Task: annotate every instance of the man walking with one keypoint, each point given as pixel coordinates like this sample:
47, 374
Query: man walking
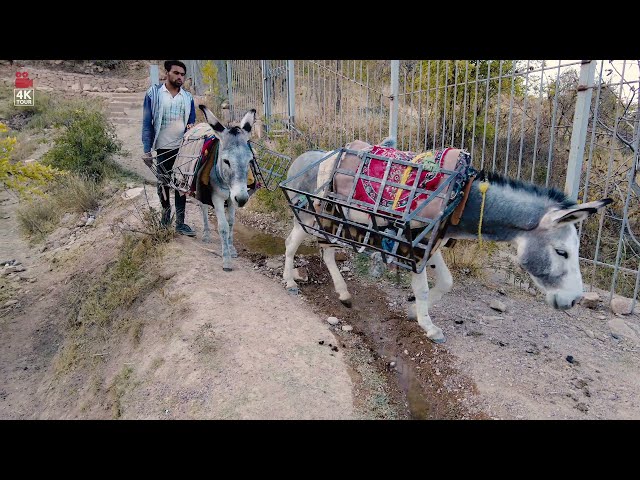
168, 112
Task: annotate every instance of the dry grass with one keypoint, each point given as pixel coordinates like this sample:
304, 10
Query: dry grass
39, 216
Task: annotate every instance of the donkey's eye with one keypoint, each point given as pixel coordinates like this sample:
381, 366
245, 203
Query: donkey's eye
227, 162
562, 253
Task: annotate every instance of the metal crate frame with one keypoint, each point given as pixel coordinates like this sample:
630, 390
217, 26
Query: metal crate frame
272, 166
397, 236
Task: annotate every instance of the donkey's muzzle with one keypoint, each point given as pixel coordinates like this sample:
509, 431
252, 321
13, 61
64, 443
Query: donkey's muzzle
241, 200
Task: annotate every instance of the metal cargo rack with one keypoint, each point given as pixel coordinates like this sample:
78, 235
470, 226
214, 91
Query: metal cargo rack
272, 166
388, 231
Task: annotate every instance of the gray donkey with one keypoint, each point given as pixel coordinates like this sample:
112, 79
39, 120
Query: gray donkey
539, 221
228, 179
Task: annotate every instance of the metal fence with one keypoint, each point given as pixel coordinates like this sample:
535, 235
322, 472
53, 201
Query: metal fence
572, 125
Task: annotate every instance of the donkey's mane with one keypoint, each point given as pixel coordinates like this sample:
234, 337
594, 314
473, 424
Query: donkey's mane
551, 193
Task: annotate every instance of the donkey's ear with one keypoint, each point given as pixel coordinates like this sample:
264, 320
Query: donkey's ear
211, 119
556, 218
248, 120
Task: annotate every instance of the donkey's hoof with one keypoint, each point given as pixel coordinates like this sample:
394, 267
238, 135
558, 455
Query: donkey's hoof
293, 290
227, 269
347, 303
435, 335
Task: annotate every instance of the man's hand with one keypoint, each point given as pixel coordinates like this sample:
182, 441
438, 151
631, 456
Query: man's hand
190, 125
147, 158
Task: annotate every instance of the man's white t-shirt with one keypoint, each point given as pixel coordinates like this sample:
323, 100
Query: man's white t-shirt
172, 123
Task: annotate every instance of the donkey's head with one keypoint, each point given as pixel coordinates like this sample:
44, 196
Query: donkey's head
549, 253
234, 153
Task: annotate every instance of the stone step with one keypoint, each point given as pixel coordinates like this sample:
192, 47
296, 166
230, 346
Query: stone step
122, 105
124, 120
128, 96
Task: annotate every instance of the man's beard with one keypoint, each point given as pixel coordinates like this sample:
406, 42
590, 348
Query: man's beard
175, 83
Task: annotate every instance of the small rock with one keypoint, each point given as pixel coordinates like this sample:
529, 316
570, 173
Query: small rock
502, 291
345, 269
347, 328
572, 360
333, 321
621, 306
10, 303
498, 305
473, 333
458, 321
582, 407
274, 263
406, 352
619, 328
166, 275
90, 221
122, 90
590, 334
590, 300
341, 256
301, 274
491, 319
392, 364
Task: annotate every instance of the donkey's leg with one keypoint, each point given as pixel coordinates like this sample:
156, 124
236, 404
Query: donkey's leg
223, 230
231, 218
421, 291
292, 243
206, 237
329, 257
443, 280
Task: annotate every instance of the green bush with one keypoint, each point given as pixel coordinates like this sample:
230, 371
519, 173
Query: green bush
85, 145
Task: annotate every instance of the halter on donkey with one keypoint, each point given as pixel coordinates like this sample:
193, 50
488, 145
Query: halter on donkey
403, 211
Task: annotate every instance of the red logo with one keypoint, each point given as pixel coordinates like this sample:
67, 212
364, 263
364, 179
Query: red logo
23, 80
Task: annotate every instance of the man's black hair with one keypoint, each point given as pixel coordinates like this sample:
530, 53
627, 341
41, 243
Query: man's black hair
170, 63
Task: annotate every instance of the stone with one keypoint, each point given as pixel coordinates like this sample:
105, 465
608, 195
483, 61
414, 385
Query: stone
122, 89
498, 305
300, 274
341, 256
619, 328
274, 263
590, 300
621, 305
333, 321
9, 303
347, 328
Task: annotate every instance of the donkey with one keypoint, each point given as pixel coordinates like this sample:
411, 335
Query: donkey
228, 179
539, 221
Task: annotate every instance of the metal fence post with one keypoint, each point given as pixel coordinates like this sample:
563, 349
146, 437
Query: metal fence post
393, 99
580, 125
154, 74
229, 89
291, 91
265, 95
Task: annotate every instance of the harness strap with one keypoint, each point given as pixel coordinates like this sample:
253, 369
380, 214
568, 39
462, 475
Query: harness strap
457, 213
484, 186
